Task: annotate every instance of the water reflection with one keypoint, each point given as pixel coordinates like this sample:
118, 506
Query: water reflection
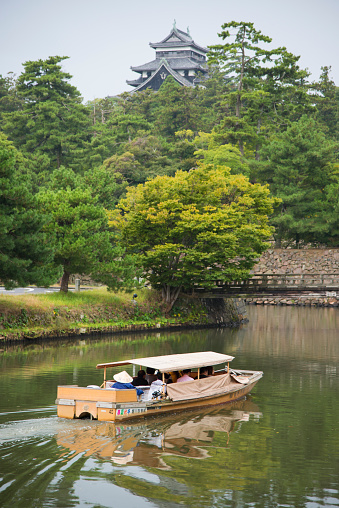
149, 443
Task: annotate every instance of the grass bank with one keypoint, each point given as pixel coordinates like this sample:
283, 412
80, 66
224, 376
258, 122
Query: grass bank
92, 311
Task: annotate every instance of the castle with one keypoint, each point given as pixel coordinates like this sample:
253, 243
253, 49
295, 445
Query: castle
178, 56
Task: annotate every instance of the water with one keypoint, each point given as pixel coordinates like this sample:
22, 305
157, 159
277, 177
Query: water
277, 448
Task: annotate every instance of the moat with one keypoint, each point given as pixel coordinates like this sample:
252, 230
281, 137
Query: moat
279, 447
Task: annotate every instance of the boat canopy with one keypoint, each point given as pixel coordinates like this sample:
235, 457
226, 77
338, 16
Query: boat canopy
170, 363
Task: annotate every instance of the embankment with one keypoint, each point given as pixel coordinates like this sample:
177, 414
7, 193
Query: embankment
33, 317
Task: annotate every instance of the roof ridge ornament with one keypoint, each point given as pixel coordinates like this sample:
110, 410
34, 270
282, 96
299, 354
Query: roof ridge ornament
175, 25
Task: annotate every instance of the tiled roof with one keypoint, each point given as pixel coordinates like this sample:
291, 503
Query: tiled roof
178, 77
178, 35
134, 82
177, 38
175, 63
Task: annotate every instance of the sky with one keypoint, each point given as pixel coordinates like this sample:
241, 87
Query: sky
103, 38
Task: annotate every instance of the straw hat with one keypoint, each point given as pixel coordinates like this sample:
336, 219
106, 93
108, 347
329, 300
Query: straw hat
123, 377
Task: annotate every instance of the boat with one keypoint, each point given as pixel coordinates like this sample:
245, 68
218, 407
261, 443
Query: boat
105, 403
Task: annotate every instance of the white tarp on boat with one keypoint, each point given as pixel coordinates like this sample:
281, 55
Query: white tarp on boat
207, 387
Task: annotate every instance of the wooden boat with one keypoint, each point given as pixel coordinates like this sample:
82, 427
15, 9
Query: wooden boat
108, 404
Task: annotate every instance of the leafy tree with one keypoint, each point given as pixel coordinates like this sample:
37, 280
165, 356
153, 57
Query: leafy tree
25, 250
212, 152
195, 228
52, 120
9, 100
240, 58
261, 79
301, 169
84, 244
175, 108
328, 103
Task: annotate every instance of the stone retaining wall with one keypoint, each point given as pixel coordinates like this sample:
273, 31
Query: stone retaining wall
298, 261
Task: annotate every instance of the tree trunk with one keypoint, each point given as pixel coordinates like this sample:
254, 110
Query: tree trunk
257, 148
64, 281
170, 296
239, 96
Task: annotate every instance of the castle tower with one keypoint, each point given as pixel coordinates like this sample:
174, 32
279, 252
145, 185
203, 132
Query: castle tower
178, 56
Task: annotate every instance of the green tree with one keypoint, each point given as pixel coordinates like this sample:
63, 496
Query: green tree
301, 168
260, 84
52, 121
9, 100
327, 101
175, 108
240, 58
211, 151
84, 244
25, 250
195, 228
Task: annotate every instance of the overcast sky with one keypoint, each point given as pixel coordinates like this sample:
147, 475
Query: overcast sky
103, 38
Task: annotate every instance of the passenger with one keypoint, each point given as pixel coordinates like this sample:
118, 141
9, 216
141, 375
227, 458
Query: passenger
150, 375
168, 378
140, 379
185, 376
203, 372
175, 375
210, 371
124, 382
157, 387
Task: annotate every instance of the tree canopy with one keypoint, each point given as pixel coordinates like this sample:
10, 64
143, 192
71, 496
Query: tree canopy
83, 242
25, 249
195, 228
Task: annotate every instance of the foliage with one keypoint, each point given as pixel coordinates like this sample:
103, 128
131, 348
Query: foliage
327, 100
300, 166
262, 82
25, 250
220, 154
195, 228
84, 244
51, 120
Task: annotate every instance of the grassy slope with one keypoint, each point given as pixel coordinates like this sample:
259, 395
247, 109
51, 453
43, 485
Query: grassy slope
53, 314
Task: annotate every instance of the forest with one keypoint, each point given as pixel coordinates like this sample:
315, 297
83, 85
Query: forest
167, 181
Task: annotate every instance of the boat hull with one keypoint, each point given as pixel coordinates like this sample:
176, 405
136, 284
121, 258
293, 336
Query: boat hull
121, 405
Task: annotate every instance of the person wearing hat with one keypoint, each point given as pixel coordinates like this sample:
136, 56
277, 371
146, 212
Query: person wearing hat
123, 381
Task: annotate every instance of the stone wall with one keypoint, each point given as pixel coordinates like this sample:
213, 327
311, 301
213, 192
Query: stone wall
297, 261
225, 311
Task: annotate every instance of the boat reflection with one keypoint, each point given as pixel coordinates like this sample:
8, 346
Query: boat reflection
148, 443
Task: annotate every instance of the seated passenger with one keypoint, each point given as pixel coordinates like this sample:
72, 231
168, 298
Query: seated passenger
168, 378
157, 387
150, 375
185, 376
124, 382
174, 375
140, 380
203, 372
210, 371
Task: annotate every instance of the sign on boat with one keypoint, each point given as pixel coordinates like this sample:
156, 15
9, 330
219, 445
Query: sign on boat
106, 403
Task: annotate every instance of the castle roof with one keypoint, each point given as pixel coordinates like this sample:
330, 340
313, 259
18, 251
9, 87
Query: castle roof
177, 38
164, 68
176, 64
